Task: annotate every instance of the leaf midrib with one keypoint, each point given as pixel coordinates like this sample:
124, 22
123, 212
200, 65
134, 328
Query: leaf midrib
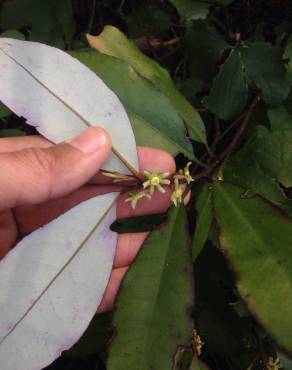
88, 124
79, 248
158, 291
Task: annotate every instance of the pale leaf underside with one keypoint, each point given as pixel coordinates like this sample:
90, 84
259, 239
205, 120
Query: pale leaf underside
61, 97
52, 283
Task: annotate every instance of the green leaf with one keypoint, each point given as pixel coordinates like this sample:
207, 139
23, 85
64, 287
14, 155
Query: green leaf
198, 365
4, 111
15, 14
11, 133
13, 34
204, 220
113, 42
265, 67
161, 127
138, 223
204, 48
152, 315
147, 135
63, 13
53, 38
182, 358
280, 119
229, 93
190, 10
243, 169
147, 20
274, 154
50, 23
257, 240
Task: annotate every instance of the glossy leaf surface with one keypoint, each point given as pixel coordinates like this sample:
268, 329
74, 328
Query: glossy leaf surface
229, 93
265, 67
257, 240
274, 154
244, 169
152, 316
113, 42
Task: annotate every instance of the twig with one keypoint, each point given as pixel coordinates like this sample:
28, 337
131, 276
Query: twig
216, 134
223, 157
151, 43
91, 20
230, 127
209, 151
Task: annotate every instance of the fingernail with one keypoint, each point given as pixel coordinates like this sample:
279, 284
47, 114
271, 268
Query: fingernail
90, 141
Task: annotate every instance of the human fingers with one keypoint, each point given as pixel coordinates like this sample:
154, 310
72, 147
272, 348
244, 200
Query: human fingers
13, 144
30, 217
35, 175
112, 289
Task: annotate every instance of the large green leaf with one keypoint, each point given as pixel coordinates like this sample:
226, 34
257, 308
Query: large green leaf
148, 19
4, 111
113, 42
265, 67
257, 240
274, 154
159, 127
147, 134
50, 23
204, 220
152, 315
204, 48
280, 119
190, 10
11, 133
229, 93
13, 34
15, 14
243, 169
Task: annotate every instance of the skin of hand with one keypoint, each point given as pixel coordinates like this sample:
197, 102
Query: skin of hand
39, 181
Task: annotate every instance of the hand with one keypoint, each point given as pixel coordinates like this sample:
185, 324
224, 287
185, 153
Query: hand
39, 181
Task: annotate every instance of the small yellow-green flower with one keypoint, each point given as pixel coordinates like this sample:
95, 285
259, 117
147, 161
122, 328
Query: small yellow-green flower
274, 364
155, 180
176, 196
197, 343
185, 173
135, 196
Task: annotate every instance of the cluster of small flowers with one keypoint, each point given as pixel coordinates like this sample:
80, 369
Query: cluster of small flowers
155, 181
274, 364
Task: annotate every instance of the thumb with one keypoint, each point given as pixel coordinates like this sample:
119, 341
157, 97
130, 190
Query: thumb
35, 175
